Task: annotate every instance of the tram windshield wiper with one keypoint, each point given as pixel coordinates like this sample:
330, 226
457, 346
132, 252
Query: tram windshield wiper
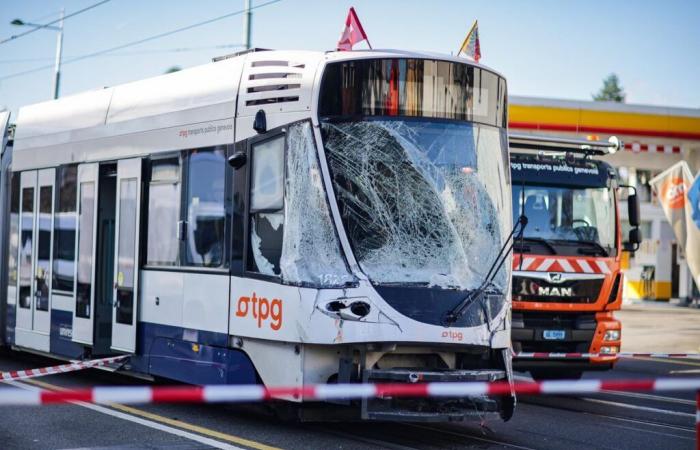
486, 286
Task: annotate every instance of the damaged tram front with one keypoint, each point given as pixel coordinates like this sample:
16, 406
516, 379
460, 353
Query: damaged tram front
413, 162
357, 234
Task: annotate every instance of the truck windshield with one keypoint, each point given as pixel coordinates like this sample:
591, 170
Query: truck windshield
566, 216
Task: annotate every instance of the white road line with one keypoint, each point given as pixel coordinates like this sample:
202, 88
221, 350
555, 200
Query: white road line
680, 401
469, 436
147, 423
643, 422
686, 438
640, 408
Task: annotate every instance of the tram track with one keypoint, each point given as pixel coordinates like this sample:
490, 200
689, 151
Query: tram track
444, 430
550, 402
579, 422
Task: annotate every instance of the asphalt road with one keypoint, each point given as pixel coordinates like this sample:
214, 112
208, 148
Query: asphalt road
610, 421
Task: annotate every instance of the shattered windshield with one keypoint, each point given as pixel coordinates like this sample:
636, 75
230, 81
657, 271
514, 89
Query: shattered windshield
418, 157
422, 201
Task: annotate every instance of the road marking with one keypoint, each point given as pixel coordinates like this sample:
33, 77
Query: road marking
667, 361
640, 408
533, 401
644, 422
680, 401
464, 435
687, 438
195, 428
137, 420
155, 418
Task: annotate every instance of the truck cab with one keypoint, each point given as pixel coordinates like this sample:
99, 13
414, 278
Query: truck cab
567, 280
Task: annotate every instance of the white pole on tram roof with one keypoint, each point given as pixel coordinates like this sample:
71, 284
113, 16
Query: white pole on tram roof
59, 53
247, 29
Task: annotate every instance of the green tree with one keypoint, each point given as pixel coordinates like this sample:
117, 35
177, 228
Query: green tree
174, 69
611, 90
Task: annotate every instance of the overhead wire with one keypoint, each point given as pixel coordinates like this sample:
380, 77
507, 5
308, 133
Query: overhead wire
139, 41
46, 25
137, 52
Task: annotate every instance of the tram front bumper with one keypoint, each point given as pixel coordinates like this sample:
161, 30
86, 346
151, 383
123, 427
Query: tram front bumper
443, 409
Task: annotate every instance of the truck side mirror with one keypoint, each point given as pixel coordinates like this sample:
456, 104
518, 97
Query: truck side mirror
633, 210
635, 238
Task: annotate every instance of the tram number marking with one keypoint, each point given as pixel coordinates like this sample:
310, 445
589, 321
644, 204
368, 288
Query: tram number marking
262, 309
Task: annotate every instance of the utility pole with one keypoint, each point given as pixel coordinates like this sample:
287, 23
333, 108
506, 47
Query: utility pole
59, 47
247, 29
59, 52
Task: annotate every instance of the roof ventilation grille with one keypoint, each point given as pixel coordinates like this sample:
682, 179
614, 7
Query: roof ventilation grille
273, 81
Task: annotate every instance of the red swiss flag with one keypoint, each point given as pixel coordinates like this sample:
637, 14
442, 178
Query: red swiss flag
353, 32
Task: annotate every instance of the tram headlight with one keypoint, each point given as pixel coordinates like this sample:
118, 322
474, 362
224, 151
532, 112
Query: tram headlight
612, 335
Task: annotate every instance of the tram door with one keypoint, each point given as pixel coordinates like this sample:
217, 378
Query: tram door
84, 311
35, 258
126, 255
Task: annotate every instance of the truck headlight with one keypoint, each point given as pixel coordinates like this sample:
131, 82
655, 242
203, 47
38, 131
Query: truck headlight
612, 335
605, 350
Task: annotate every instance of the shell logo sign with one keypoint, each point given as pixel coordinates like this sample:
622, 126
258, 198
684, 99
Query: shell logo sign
673, 193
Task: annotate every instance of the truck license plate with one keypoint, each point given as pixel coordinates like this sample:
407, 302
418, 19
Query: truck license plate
554, 334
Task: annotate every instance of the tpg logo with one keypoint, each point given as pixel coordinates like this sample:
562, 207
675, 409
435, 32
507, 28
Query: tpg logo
262, 310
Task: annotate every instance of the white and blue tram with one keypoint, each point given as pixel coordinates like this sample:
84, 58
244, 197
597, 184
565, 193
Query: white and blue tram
277, 217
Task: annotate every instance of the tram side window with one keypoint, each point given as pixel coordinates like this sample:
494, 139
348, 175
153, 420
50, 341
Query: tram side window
14, 231
266, 206
164, 213
64, 229
86, 217
206, 212
26, 248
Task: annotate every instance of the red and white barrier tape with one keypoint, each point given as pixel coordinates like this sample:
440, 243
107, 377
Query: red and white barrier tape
72, 367
545, 355
257, 393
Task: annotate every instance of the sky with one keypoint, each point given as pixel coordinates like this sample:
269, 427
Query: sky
555, 49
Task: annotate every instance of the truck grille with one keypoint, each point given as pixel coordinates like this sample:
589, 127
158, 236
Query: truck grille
526, 289
528, 326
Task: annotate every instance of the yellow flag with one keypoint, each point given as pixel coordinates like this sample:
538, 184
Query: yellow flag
471, 46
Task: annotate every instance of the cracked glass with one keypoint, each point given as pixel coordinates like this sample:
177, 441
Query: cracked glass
418, 157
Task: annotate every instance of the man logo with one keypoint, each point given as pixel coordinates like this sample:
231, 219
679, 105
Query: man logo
555, 277
555, 291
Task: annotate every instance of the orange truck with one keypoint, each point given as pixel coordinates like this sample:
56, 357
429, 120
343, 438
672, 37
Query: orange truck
567, 279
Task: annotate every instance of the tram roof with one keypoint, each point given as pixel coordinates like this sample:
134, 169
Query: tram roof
279, 81
201, 86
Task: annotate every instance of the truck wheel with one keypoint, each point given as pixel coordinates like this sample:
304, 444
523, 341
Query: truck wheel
556, 374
